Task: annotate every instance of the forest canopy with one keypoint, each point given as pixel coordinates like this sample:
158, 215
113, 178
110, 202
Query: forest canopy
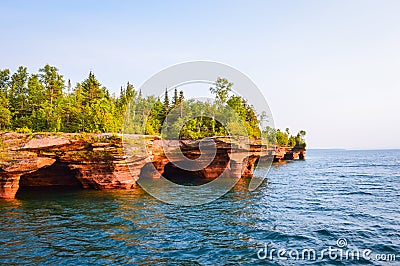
46, 102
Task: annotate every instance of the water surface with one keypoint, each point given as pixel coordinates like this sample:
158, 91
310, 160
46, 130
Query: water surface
306, 204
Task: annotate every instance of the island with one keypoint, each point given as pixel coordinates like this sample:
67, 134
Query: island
54, 134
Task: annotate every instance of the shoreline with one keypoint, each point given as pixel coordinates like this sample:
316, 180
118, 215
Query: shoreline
110, 161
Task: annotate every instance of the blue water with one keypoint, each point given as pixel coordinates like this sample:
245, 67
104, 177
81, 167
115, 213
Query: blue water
353, 195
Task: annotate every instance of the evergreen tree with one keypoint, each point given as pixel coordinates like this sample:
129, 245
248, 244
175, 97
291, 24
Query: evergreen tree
176, 98
53, 82
4, 81
91, 89
166, 102
181, 97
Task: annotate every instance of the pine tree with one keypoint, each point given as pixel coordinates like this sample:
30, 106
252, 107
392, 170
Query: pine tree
176, 98
130, 92
181, 97
91, 89
166, 102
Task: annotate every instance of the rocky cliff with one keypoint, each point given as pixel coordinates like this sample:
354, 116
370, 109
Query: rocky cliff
101, 161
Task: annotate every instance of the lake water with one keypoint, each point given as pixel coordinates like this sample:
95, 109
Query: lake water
350, 196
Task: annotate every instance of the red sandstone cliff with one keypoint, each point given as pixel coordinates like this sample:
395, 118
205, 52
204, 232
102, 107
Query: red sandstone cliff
99, 161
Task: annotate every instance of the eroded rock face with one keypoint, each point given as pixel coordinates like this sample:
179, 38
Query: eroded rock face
11, 173
106, 175
9, 185
29, 165
86, 160
289, 153
101, 161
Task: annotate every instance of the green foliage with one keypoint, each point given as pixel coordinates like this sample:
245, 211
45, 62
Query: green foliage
23, 130
5, 114
221, 90
300, 139
175, 100
4, 80
18, 92
166, 102
52, 81
282, 138
38, 102
91, 90
277, 137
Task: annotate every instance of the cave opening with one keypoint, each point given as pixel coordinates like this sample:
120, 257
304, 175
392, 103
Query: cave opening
177, 175
184, 177
56, 175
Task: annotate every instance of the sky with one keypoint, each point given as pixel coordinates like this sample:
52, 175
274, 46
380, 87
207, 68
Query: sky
328, 67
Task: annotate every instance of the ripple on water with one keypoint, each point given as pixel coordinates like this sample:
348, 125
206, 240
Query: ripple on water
306, 204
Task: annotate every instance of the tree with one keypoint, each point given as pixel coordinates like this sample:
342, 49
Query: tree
292, 141
221, 90
181, 96
5, 114
300, 141
4, 81
91, 89
285, 138
37, 102
175, 100
166, 102
18, 98
53, 82
18, 89
281, 138
130, 92
157, 117
125, 96
269, 134
36, 93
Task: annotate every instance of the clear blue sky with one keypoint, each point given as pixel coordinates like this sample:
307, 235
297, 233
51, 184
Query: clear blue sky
329, 67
